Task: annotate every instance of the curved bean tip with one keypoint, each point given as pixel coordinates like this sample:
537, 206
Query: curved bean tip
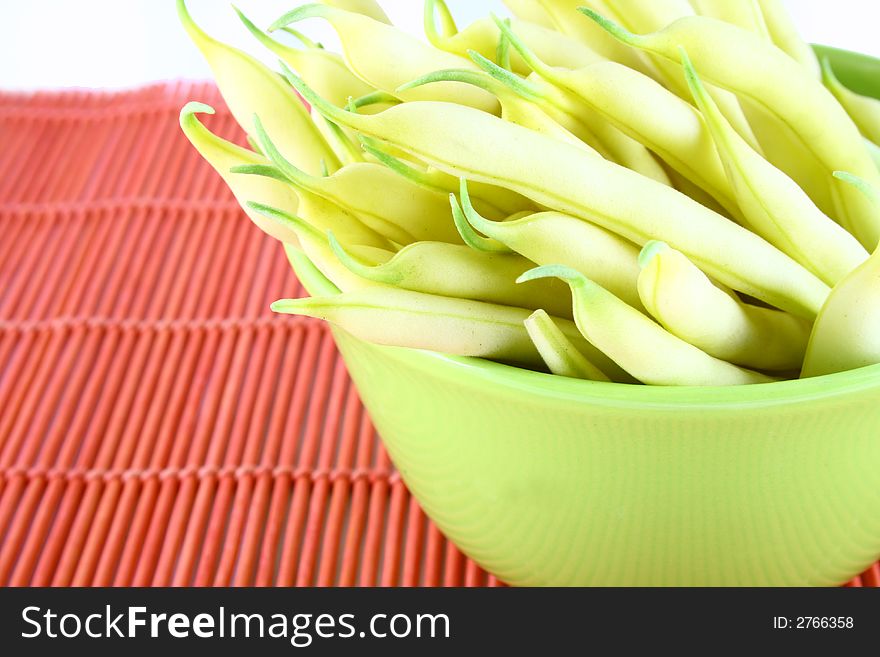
195, 107
650, 251
264, 170
294, 223
473, 218
567, 274
537, 315
827, 71
290, 306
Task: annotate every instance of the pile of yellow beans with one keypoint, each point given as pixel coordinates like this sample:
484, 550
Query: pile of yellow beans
666, 192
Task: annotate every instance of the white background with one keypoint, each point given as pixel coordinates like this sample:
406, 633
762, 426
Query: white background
121, 43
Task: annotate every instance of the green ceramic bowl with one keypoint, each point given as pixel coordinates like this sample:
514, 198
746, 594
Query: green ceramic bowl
551, 481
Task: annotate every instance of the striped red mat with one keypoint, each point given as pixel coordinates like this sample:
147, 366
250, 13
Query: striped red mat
158, 425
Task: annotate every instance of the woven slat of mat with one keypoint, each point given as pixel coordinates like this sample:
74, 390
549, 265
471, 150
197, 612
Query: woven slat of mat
158, 425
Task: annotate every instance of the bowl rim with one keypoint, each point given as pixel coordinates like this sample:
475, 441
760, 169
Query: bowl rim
859, 70
478, 373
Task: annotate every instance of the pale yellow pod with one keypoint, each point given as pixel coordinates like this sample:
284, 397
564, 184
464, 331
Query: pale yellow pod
551, 238
223, 156
455, 270
323, 70
483, 36
785, 35
386, 58
244, 179
639, 345
497, 202
643, 16
787, 151
846, 335
603, 135
514, 108
339, 139
249, 88
687, 304
773, 204
730, 57
632, 103
865, 111
560, 355
382, 200
461, 327
472, 144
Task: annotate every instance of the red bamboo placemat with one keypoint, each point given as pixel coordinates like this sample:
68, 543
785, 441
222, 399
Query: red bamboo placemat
158, 425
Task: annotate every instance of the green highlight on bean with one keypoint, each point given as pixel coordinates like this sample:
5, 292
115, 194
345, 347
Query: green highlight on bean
774, 206
377, 100
502, 52
560, 355
457, 271
689, 305
641, 347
